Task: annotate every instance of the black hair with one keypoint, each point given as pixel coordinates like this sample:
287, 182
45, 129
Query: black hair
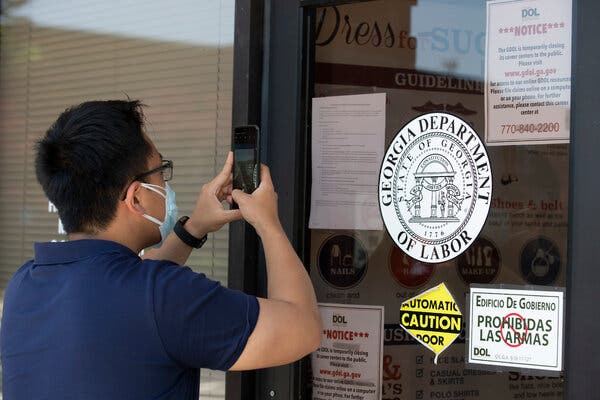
87, 158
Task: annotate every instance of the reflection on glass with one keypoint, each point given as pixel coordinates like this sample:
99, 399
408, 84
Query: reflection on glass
175, 56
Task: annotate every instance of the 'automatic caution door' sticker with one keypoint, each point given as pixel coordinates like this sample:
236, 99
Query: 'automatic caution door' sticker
433, 318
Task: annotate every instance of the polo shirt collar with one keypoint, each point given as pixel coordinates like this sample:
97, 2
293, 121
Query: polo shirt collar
64, 252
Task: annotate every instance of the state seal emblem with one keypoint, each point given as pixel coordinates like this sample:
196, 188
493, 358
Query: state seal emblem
435, 187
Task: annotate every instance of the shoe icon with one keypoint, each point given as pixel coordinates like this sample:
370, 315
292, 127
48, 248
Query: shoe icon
429, 106
459, 109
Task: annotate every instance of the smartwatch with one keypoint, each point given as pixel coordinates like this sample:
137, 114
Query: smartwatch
187, 237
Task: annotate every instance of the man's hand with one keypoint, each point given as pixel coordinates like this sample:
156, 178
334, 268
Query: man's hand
259, 209
209, 215
289, 325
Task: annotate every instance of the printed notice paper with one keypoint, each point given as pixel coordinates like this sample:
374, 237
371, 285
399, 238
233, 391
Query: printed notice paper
348, 138
528, 72
348, 365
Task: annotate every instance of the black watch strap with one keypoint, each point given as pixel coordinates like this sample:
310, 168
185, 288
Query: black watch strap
187, 237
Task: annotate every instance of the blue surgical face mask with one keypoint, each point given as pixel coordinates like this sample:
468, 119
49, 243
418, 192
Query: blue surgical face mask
166, 225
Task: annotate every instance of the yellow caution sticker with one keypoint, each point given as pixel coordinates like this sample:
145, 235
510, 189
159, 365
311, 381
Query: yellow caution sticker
433, 318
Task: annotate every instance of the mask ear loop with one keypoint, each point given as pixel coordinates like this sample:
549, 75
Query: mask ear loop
155, 189
151, 218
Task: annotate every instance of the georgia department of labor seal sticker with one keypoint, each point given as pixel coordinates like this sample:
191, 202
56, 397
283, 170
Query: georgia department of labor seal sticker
435, 187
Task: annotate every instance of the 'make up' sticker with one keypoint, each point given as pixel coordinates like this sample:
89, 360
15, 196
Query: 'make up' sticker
433, 318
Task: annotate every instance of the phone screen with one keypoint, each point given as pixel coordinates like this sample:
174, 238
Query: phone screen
245, 155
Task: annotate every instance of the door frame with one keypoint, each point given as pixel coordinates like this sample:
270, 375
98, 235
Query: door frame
272, 74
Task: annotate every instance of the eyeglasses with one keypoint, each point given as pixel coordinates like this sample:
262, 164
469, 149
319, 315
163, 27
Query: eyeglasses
166, 169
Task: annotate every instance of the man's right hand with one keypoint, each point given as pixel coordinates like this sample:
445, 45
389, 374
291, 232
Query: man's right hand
259, 209
289, 325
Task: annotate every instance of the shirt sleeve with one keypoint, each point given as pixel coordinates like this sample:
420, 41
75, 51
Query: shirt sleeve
201, 323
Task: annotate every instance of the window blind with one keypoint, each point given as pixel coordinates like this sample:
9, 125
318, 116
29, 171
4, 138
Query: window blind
177, 57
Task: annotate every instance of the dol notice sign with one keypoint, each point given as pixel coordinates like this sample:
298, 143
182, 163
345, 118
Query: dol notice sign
516, 328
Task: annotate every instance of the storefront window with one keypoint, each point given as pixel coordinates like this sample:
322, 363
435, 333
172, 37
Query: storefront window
430, 56
177, 57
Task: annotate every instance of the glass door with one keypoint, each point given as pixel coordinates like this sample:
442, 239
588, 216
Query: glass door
430, 57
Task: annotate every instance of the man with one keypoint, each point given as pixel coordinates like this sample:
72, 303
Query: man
89, 319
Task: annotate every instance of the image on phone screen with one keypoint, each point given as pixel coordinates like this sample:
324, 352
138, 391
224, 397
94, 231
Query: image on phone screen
245, 162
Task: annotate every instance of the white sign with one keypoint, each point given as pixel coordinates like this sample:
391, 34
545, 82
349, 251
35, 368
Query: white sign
528, 72
516, 328
348, 137
435, 187
348, 365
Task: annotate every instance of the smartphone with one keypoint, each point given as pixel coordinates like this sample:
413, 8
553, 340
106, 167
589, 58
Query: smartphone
246, 158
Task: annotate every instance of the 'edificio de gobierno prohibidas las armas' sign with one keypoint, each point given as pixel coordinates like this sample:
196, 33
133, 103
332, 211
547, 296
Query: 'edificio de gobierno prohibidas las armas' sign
516, 328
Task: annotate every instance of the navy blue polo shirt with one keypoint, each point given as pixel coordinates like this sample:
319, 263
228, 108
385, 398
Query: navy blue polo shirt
89, 319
